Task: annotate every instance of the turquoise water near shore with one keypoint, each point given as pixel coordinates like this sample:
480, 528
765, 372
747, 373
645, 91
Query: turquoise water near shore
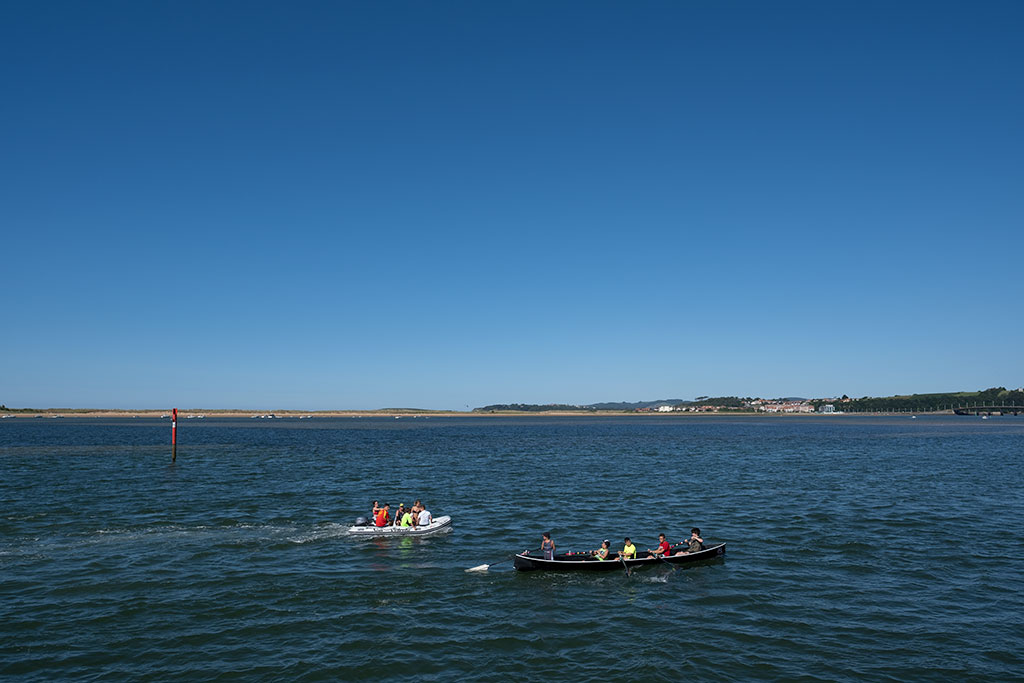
877, 548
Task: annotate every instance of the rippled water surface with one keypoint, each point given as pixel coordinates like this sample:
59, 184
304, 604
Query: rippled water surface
858, 548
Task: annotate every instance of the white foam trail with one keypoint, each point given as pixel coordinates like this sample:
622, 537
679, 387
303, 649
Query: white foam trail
329, 531
657, 579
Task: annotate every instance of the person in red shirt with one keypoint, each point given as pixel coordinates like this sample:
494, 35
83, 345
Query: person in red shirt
663, 547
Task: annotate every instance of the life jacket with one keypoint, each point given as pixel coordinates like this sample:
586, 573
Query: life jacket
629, 552
382, 518
598, 556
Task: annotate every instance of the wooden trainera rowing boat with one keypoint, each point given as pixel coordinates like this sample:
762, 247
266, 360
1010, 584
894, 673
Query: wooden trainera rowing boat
528, 561
439, 525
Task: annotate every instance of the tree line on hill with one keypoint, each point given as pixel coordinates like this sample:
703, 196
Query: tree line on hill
721, 401
531, 408
995, 396
920, 403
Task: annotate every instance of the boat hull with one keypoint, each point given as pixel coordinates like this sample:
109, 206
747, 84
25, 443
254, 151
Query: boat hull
587, 563
440, 525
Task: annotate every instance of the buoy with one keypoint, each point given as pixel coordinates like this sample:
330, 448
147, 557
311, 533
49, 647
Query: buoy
174, 434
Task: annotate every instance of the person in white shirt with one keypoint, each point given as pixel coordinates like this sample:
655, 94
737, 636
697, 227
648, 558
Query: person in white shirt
425, 517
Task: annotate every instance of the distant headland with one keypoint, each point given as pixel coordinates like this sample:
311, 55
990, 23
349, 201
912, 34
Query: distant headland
995, 397
992, 400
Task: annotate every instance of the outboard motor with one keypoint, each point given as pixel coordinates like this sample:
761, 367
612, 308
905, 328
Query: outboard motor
362, 521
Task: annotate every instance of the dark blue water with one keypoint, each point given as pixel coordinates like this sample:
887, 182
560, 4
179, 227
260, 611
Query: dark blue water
858, 548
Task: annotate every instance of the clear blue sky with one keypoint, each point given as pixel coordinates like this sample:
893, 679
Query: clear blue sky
364, 205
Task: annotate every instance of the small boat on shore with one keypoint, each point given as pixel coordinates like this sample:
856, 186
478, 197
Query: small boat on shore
527, 561
439, 525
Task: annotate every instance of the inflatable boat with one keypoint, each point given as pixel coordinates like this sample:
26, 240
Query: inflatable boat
364, 528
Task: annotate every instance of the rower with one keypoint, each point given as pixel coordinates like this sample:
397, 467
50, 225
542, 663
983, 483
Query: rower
694, 544
663, 549
603, 553
628, 550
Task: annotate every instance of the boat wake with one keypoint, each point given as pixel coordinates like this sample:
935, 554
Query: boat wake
655, 579
326, 532
237, 534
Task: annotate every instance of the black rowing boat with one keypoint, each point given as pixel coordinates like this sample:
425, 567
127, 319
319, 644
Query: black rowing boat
527, 561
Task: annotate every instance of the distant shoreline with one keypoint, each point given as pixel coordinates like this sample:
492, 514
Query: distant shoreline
400, 413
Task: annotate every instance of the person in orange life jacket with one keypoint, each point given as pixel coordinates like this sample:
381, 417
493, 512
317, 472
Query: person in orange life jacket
663, 548
382, 518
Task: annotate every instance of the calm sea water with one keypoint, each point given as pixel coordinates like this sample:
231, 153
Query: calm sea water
858, 548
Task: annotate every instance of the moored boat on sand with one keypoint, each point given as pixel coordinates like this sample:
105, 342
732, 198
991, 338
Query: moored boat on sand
527, 561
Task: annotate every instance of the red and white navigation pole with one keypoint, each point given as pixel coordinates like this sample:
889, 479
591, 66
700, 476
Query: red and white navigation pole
174, 434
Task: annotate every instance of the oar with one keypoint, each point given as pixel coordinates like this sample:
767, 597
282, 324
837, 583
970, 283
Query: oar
485, 567
674, 568
626, 566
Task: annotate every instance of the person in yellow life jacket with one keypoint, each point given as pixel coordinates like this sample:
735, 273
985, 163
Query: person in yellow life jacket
603, 553
628, 550
407, 519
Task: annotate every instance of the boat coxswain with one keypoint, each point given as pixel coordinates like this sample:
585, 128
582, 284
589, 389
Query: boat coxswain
547, 546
